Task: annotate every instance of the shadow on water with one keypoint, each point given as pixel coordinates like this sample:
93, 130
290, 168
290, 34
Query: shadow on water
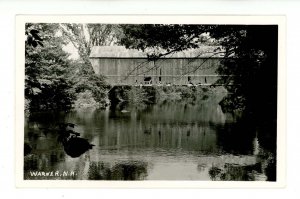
236, 138
246, 137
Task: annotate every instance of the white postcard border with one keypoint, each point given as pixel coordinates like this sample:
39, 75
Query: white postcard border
150, 19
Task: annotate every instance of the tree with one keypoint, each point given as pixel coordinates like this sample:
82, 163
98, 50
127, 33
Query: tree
84, 37
153, 38
46, 68
252, 67
249, 67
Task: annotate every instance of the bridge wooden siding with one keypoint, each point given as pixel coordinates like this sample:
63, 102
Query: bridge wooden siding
128, 67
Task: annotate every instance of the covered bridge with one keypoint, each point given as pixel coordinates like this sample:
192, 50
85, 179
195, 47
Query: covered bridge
123, 66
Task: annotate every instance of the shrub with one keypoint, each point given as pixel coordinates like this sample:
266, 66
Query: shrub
136, 96
86, 100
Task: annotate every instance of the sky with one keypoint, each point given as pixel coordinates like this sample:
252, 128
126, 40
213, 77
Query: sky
69, 48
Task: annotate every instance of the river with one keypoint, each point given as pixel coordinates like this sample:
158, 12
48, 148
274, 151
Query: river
165, 141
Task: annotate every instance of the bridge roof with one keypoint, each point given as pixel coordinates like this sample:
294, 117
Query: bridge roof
122, 52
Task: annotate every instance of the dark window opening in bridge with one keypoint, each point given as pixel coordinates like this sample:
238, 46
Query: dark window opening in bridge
159, 78
148, 80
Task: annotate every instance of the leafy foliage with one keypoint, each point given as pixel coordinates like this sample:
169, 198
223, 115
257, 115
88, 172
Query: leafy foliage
46, 68
84, 81
172, 38
33, 38
248, 70
53, 81
136, 96
85, 36
250, 67
85, 100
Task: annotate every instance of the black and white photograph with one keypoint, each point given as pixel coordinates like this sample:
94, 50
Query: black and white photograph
150, 100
